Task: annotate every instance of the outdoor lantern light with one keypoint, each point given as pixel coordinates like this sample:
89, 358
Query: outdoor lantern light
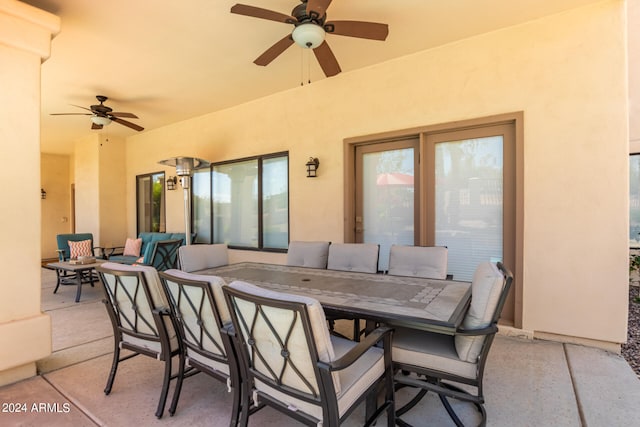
43, 194
184, 169
312, 167
171, 183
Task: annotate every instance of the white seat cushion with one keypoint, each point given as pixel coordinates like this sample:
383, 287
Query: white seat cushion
200, 257
216, 284
418, 261
144, 309
308, 254
298, 346
429, 350
486, 287
358, 257
355, 380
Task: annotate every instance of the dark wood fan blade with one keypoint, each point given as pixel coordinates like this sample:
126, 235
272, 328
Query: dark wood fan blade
327, 60
71, 114
318, 6
80, 106
275, 50
363, 30
95, 126
127, 124
120, 114
258, 12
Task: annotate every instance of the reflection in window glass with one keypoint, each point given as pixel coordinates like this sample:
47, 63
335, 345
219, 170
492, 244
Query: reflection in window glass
388, 199
469, 202
201, 199
150, 202
634, 200
235, 203
251, 202
275, 202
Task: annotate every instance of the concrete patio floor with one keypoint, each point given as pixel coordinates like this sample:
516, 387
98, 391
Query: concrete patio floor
527, 383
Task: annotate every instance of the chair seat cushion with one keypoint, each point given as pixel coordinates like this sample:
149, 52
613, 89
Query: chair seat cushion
429, 350
357, 257
153, 346
213, 364
418, 261
200, 257
216, 284
486, 288
158, 299
355, 380
308, 254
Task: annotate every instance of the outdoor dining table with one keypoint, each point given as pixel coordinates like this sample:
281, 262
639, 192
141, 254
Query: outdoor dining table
428, 304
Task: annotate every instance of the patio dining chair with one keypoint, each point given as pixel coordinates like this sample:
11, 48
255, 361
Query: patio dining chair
201, 257
308, 254
198, 305
356, 257
165, 254
294, 365
440, 363
429, 262
141, 319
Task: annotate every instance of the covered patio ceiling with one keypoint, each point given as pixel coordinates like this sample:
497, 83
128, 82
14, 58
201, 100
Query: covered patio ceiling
168, 61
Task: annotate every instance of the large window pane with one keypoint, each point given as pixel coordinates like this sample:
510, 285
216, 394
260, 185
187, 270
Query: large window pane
150, 202
201, 198
634, 200
275, 207
469, 202
388, 200
235, 203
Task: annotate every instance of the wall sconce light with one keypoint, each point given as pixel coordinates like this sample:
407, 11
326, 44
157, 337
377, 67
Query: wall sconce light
171, 183
312, 167
43, 194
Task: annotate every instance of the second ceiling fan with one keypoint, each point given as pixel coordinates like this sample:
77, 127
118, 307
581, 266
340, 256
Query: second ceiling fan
310, 28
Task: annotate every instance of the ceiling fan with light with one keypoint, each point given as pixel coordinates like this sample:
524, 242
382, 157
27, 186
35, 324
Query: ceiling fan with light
101, 115
310, 28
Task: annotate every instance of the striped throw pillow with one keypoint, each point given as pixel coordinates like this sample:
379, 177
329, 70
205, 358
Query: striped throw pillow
81, 248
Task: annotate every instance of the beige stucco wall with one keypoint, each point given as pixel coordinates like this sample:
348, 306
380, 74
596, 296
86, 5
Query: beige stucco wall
112, 197
56, 208
567, 73
25, 332
633, 19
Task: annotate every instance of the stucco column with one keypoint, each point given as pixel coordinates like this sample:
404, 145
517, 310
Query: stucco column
25, 332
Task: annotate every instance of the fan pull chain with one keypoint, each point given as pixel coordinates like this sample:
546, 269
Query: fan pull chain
301, 67
309, 66
305, 55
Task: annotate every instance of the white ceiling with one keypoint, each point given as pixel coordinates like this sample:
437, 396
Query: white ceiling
167, 60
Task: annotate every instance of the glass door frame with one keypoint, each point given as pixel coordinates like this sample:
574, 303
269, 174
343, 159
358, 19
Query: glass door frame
513, 312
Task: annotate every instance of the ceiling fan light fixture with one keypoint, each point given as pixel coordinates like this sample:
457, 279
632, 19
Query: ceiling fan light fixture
100, 120
308, 35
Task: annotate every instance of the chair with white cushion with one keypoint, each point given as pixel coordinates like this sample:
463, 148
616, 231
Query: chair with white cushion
439, 363
295, 366
429, 262
357, 257
141, 319
197, 303
308, 254
201, 257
